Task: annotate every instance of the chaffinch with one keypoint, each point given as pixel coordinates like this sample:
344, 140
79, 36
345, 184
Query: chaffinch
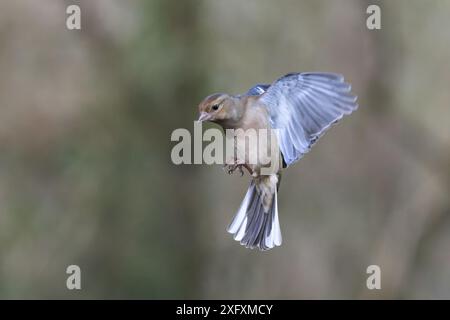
301, 107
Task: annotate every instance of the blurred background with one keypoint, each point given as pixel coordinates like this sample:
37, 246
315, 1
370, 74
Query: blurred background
86, 176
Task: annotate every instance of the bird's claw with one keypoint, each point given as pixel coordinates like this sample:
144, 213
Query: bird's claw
232, 168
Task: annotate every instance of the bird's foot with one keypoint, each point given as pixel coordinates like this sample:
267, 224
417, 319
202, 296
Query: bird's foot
231, 168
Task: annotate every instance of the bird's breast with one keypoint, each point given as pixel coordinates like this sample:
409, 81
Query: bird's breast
254, 144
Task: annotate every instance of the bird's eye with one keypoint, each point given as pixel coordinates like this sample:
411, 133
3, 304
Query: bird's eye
215, 107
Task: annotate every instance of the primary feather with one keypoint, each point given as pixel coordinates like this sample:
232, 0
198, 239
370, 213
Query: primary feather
303, 106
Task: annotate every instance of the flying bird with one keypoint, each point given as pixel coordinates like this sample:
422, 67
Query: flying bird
301, 107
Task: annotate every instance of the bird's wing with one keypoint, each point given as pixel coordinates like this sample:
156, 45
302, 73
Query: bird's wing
303, 106
257, 90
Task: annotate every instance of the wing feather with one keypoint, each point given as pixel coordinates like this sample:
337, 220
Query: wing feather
303, 106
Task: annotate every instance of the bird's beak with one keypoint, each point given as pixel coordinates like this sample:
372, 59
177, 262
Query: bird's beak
204, 116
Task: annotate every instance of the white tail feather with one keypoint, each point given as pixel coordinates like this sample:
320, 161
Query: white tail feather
253, 230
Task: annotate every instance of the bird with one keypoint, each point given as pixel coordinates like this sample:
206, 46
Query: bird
301, 107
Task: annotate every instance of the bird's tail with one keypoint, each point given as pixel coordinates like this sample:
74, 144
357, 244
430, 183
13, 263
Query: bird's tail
256, 224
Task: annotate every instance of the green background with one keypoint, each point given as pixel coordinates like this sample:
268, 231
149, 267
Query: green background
85, 170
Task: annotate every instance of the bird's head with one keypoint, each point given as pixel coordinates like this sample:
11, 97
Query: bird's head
218, 107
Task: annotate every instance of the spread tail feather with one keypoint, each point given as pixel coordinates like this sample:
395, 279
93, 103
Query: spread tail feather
256, 223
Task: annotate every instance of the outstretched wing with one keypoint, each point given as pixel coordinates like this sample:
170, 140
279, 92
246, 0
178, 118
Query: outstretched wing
303, 106
257, 90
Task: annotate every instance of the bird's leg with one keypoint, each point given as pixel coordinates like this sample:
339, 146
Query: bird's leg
228, 166
238, 165
250, 171
232, 167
